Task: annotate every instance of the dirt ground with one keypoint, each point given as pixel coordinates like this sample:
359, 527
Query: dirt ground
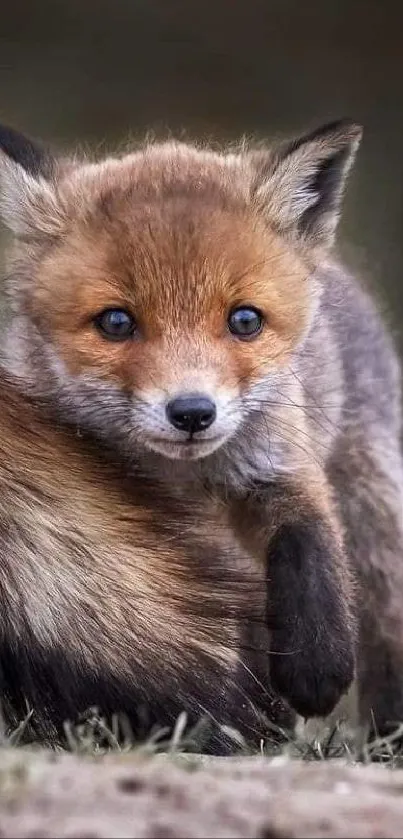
131, 796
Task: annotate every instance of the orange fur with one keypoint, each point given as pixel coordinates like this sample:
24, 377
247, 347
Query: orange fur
178, 280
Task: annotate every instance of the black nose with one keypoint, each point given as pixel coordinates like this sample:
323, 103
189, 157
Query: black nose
191, 413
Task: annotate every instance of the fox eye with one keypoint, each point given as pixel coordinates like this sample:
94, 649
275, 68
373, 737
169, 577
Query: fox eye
245, 322
115, 324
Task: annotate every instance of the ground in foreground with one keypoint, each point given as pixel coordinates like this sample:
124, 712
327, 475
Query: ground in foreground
128, 795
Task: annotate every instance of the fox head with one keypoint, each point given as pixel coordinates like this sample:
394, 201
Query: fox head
154, 296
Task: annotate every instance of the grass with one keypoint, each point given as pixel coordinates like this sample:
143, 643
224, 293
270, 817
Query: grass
95, 736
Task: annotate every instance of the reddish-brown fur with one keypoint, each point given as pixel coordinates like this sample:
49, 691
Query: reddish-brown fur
177, 279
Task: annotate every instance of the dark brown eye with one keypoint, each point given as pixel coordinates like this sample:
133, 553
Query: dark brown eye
245, 322
115, 324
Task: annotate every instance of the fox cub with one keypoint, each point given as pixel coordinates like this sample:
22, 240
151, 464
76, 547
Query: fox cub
200, 466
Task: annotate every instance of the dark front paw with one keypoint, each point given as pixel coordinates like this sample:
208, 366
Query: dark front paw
312, 647
313, 679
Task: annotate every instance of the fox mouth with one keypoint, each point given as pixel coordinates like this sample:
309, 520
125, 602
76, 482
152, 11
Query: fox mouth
192, 448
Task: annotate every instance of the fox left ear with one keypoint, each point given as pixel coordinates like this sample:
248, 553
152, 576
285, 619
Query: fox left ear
28, 194
301, 183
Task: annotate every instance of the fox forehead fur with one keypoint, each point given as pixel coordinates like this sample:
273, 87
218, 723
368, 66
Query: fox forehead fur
177, 236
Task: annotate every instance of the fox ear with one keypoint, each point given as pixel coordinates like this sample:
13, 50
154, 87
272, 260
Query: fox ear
28, 194
301, 183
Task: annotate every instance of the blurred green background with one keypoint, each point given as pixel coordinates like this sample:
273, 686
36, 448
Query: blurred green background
91, 71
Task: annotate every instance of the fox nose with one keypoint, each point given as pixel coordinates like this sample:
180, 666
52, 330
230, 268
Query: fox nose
191, 413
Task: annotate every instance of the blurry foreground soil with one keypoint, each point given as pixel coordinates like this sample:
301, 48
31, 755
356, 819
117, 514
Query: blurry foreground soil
43, 794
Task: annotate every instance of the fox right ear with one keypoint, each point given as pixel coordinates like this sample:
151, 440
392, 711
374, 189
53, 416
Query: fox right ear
28, 194
300, 184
